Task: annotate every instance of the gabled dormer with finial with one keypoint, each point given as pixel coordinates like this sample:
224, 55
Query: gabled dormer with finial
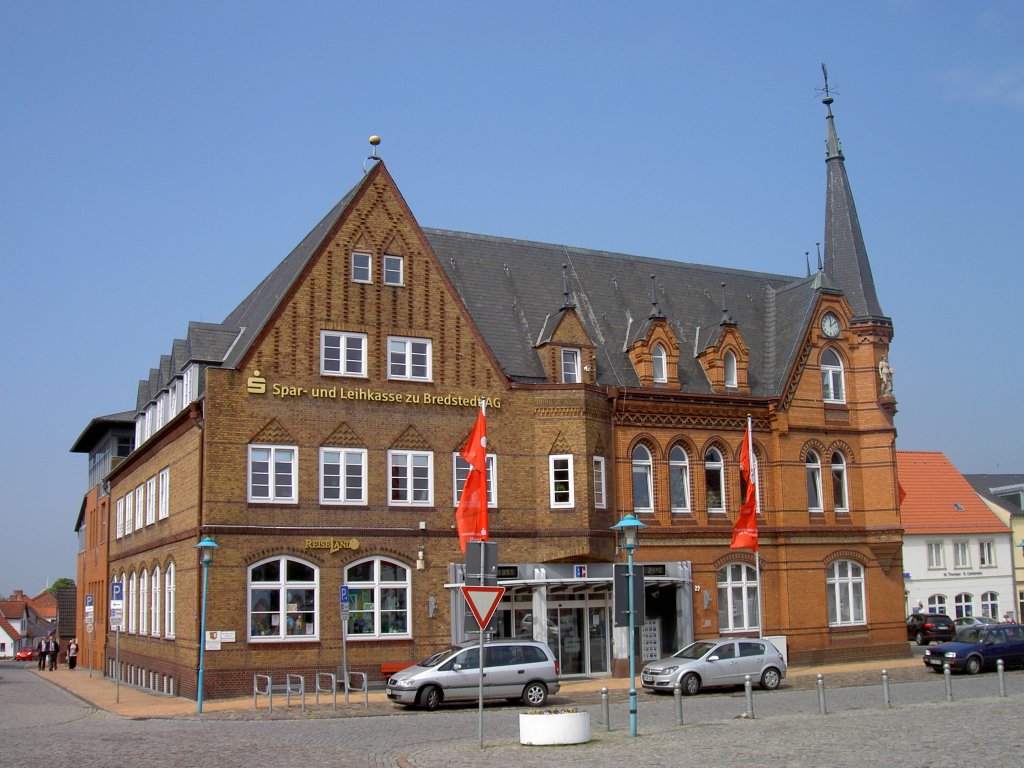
566, 350
726, 360
654, 351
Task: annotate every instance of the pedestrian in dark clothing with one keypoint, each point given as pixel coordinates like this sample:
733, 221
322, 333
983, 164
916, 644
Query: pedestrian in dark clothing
52, 649
73, 653
41, 653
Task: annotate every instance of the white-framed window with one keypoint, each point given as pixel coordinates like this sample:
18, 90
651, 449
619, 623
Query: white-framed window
936, 604
144, 602
840, 495
173, 398
600, 496
151, 500
845, 593
394, 270
148, 428
990, 605
378, 599
284, 598
140, 504
158, 416
560, 481
679, 479
986, 553
164, 506
272, 473
133, 603
570, 366
963, 604
409, 359
343, 476
460, 471
120, 517
659, 364
714, 480
342, 354
936, 555
833, 388
738, 600
730, 369
362, 268
169, 602
961, 554
411, 478
129, 517
643, 485
190, 384
140, 429
813, 466
154, 603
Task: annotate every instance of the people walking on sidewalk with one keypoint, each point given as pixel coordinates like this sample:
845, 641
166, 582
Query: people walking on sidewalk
73, 653
41, 653
52, 649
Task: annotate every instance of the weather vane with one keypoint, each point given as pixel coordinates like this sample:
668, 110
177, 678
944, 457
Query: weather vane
826, 90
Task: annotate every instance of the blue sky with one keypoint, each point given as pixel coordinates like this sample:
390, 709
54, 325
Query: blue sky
158, 159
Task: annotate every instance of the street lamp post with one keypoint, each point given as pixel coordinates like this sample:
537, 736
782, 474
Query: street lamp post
205, 546
629, 527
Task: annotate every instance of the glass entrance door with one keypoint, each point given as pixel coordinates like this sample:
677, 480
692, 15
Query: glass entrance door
578, 634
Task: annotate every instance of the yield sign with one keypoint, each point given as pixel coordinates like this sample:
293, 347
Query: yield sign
482, 602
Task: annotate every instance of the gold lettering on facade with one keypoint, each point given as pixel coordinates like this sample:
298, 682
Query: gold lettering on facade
257, 385
332, 544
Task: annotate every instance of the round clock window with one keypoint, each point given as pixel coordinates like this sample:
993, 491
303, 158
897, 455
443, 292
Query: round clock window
830, 325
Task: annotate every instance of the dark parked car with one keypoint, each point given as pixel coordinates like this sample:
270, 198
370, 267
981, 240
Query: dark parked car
924, 628
977, 648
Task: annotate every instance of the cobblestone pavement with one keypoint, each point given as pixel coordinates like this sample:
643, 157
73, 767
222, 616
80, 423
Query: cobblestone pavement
41, 724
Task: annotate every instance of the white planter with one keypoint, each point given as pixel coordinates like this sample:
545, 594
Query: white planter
561, 728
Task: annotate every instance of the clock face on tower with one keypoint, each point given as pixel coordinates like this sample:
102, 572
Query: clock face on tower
830, 325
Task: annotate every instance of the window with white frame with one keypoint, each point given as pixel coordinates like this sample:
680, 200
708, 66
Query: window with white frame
164, 506
173, 398
362, 268
154, 602
394, 270
961, 554
342, 354
272, 473
570, 366
378, 599
343, 476
600, 499
560, 479
144, 602
132, 604
833, 389
730, 369
643, 488
409, 359
140, 506
963, 604
190, 384
411, 478
679, 479
714, 480
738, 601
990, 604
460, 471
151, 500
148, 422
129, 518
120, 517
813, 467
140, 429
936, 603
986, 553
169, 602
158, 416
936, 556
840, 497
659, 364
283, 600
845, 593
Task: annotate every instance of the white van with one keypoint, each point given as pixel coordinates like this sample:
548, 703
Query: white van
513, 670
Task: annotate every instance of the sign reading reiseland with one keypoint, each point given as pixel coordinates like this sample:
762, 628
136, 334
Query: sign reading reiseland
483, 601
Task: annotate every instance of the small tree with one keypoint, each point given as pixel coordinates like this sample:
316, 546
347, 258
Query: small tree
62, 582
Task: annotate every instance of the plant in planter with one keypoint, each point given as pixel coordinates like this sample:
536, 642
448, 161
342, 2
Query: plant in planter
555, 725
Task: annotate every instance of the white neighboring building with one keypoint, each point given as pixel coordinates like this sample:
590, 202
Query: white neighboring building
957, 554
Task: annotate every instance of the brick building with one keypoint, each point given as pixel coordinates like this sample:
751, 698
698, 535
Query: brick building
314, 435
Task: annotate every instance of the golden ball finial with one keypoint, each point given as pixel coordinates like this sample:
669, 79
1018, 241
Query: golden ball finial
375, 140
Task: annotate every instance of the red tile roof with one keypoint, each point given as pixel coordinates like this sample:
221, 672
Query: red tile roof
45, 604
933, 486
14, 634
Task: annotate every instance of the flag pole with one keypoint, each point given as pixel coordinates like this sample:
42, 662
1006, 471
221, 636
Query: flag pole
757, 553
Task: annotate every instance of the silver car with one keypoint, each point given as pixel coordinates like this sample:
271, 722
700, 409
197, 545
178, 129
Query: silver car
513, 670
717, 662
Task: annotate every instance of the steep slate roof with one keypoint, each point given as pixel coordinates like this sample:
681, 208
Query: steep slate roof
98, 427
985, 485
932, 486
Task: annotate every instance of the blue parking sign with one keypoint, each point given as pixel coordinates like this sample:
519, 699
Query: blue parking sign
116, 590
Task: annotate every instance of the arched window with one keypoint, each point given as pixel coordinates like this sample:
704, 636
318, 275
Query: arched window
990, 605
132, 603
840, 495
679, 479
284, 600
730, 369
643, 487
169, 602
378, 599
738, 600
813, 482
144, 602
714, 480
845, 593
154, 603
963, 604
937, 604
833, 389
659, 361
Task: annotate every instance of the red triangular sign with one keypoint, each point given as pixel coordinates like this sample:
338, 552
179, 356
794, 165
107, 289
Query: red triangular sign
483, 601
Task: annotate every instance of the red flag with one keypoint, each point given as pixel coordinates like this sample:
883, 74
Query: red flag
744, 533
471, 516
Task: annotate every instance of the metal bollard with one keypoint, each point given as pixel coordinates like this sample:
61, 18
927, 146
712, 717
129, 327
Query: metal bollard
748, 691
886, 693
948, 674
1001, 669
822, 709
677, 692
607, 712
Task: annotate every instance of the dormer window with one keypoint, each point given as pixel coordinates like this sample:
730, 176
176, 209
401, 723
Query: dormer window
570, 366
659, 364
730, 369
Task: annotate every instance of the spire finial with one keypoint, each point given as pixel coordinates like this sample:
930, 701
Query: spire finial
833, 149
655, 312
807, 258
726, 317
372, 157
818, 245
565, 287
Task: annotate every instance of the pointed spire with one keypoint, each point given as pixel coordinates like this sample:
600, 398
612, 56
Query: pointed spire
807, 258
655, 311
818, 246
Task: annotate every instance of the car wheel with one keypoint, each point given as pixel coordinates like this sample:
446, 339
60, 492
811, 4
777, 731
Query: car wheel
535, 694
430, 697
770, 679
690, 684
920, 639
973, 665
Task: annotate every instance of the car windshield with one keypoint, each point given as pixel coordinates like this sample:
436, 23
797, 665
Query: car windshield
971, 635
440, 657
694, 650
